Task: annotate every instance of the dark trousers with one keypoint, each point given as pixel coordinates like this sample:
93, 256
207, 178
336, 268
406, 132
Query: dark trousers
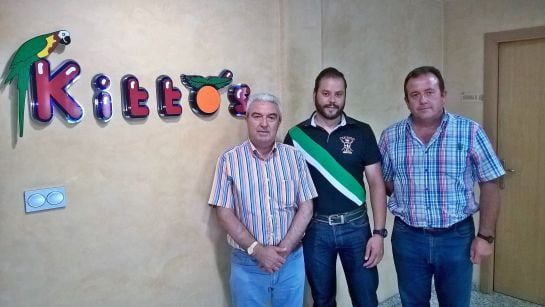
420, 255
322, 243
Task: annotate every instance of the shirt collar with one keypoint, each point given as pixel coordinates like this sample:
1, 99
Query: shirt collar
438, 131
257, 154
313, 121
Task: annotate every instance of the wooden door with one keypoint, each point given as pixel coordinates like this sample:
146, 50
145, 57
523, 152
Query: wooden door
519, 259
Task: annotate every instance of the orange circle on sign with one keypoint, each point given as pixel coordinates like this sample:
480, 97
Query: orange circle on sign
208, 99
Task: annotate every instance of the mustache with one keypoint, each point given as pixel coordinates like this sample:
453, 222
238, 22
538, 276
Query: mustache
331, 105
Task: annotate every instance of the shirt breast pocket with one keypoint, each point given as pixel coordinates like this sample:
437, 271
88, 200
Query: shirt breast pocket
285, 194
454, 165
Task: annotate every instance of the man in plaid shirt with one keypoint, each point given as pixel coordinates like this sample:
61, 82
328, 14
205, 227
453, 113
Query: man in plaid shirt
431, 162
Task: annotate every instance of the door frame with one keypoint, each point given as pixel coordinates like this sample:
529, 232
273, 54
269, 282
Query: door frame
490, 110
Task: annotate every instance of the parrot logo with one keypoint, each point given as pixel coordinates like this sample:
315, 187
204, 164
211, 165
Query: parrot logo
30, 52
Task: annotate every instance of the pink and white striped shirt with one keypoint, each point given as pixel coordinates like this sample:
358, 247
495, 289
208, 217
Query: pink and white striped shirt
265, 194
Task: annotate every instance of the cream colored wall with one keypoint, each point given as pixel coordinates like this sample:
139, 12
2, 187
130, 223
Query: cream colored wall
136, 230
466, 22
376, 43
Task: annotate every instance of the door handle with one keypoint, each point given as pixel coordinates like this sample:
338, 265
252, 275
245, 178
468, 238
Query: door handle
508, 171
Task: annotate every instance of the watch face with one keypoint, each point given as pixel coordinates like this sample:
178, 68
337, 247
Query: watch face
251, 248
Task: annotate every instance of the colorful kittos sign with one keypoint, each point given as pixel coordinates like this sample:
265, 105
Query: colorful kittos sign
49, 88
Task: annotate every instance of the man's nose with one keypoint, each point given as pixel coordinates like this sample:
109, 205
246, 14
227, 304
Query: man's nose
423, 98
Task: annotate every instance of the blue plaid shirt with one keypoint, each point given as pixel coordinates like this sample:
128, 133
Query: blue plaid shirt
434, 182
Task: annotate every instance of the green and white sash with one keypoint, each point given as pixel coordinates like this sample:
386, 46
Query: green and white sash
337, 175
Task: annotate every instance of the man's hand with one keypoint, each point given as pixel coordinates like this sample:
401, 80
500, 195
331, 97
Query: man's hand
480, 249
286, 250
270, 257
302, 217
374, 251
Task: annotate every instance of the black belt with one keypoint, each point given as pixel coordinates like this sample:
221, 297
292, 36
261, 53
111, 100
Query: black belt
434, 229
341, 218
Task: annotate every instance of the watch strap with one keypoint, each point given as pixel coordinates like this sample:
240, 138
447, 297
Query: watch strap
382, 232
250, 249
489, 239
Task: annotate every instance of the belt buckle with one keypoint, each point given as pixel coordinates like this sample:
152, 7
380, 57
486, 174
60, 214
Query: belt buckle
331, 222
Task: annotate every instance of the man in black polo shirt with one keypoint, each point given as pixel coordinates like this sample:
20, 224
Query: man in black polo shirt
339, 150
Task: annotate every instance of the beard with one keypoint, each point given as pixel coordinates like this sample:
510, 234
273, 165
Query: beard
326, 111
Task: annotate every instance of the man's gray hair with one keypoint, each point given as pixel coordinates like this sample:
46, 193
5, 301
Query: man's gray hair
265, 97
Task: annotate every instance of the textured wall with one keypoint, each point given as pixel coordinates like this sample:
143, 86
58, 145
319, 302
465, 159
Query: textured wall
466, 22
136, 230
376, 43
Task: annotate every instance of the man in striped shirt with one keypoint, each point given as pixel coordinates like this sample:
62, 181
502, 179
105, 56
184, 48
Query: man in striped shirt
262, 193
431, 162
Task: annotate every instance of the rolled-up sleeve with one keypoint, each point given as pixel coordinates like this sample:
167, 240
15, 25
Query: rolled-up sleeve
222, 194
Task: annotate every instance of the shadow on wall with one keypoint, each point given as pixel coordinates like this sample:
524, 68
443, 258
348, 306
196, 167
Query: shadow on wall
222, 252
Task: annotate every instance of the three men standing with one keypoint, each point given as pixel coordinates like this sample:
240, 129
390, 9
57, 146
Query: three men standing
431, 162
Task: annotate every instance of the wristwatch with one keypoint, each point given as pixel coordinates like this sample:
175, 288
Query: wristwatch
250, 249
382, 232
489, 239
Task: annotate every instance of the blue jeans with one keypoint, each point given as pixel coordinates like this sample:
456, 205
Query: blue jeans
444, 255
322, 244
250, 286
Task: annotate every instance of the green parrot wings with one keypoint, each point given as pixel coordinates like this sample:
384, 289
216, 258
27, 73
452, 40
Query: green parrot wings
193, 82
31, 51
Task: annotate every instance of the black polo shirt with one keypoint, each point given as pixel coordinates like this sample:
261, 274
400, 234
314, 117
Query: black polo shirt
353, 146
